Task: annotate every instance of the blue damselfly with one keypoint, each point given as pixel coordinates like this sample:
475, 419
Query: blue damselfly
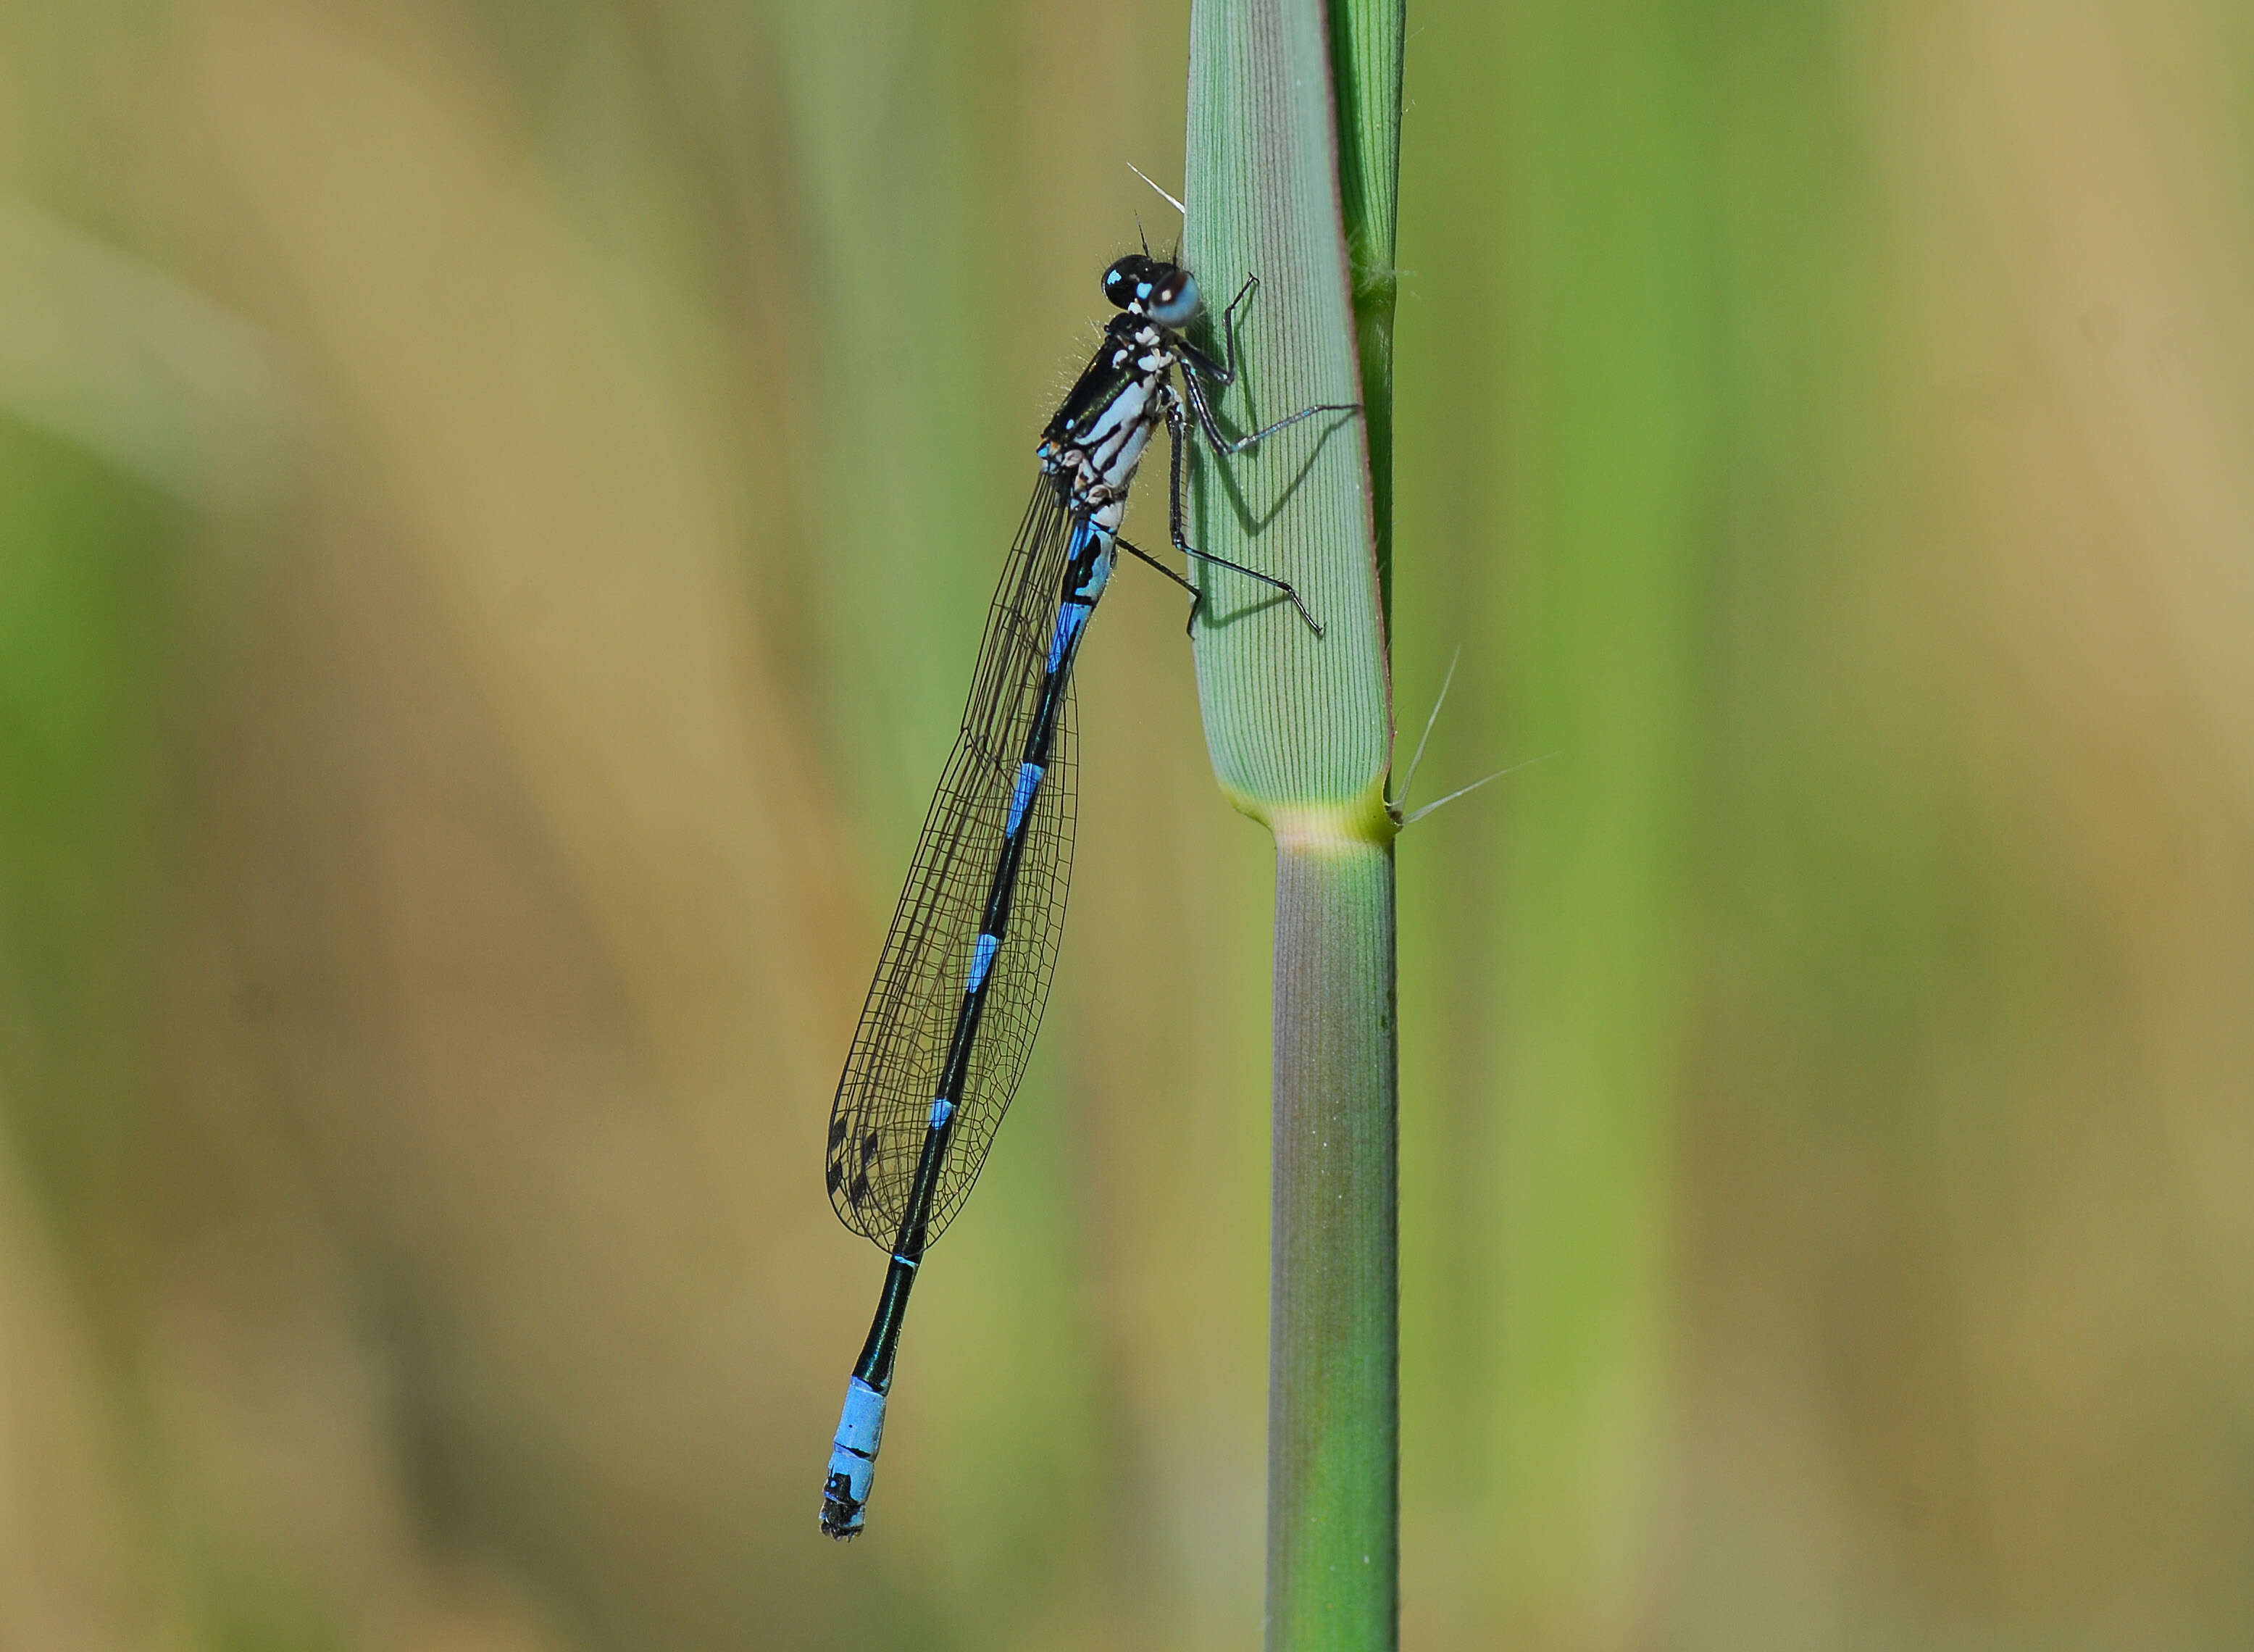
950, 1018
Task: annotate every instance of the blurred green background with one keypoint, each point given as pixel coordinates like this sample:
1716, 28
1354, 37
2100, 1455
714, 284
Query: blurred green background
496, 505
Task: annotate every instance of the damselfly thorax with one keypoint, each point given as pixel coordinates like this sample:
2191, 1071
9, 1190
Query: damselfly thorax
1096, 440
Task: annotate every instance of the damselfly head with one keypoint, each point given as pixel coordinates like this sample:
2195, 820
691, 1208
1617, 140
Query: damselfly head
1145, 286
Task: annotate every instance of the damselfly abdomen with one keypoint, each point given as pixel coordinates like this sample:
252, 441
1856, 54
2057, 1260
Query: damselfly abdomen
951, 1015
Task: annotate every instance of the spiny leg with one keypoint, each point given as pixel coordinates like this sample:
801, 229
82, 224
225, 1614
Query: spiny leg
1201, 405
1223, 372
1178, 444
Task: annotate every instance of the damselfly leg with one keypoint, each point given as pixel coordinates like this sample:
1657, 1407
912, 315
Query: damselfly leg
1177, 438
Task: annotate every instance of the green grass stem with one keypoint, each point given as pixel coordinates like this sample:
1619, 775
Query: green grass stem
1295, 184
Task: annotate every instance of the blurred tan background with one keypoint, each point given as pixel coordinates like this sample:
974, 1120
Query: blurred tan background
496, 503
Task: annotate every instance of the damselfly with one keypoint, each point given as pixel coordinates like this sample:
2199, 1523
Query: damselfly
951, 1015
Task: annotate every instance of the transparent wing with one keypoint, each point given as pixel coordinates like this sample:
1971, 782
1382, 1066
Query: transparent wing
879, 1120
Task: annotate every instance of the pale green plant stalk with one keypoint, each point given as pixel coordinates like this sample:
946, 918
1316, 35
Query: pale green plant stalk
1293, 182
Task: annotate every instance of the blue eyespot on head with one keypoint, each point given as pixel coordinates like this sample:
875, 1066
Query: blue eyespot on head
1145, 286
1121, 280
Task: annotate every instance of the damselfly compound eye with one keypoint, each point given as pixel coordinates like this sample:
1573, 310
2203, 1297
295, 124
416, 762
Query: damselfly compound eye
1174, 301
